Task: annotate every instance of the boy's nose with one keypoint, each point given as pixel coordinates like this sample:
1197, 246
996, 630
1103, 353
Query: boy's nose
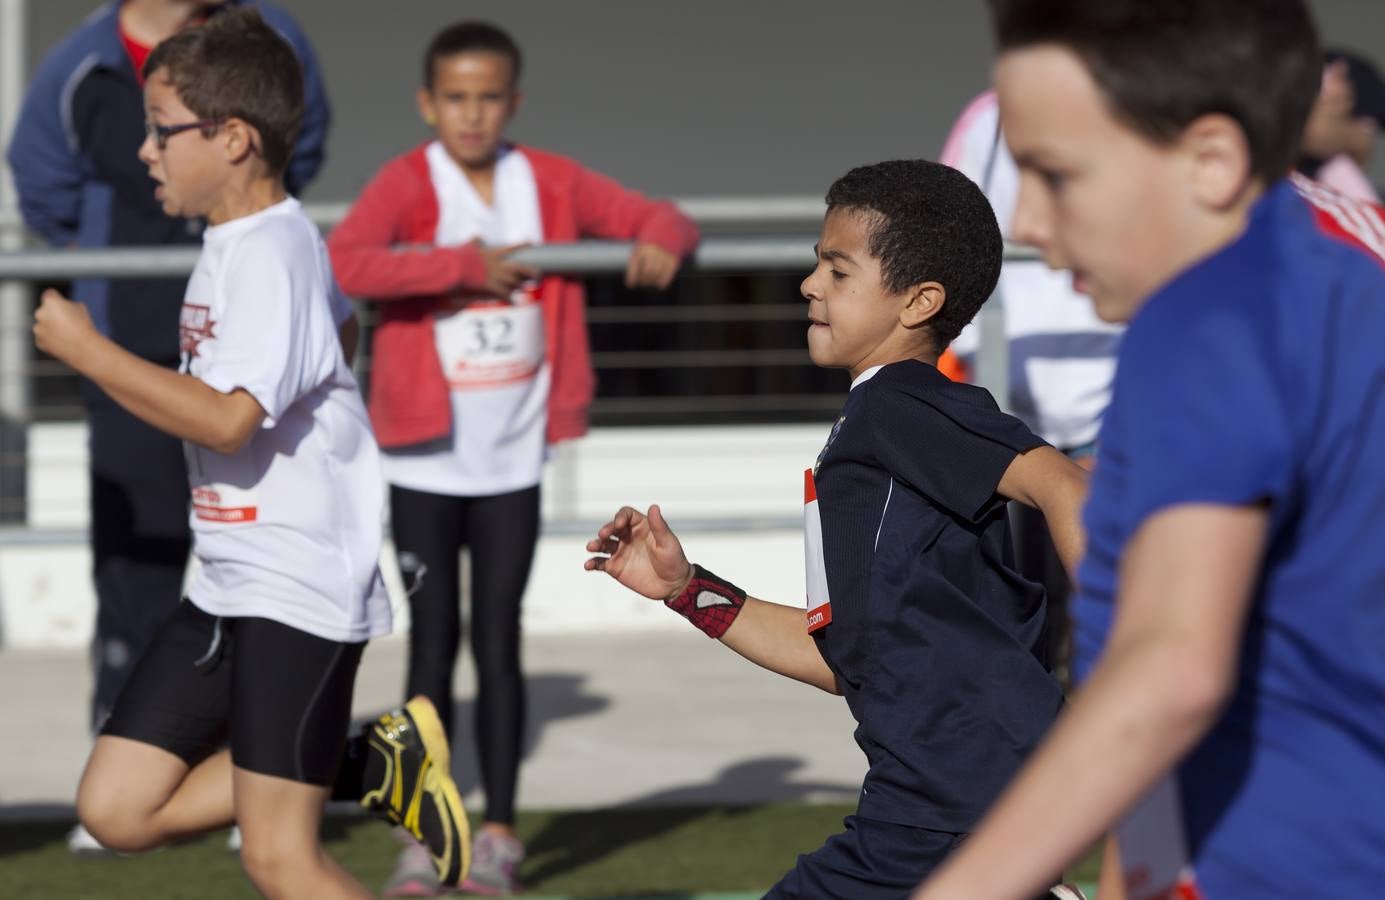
1030, 223
147, 153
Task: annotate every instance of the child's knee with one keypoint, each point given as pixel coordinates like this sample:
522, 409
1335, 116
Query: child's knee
276, 869
113, 822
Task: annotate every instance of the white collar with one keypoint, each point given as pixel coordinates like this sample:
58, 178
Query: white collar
865, 376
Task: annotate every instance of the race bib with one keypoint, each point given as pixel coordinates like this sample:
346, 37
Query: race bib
224, 503
1154, 850
216, 496
819, 604
490, 344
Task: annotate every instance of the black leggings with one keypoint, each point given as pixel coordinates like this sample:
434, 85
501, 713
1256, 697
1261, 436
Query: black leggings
501, 532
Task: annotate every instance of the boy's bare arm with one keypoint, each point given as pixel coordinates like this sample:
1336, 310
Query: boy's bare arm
775, 637
174, 403
1056, 486
1185, 588
640, 551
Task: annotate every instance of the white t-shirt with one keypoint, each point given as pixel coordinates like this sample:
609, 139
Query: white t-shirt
1062, 357
492, 352
288, 527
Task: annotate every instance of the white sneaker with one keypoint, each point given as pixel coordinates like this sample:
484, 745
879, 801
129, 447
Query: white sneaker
233, 839
81, 843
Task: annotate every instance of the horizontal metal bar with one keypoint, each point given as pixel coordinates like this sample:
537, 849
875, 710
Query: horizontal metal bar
29, 537
777, 210
709, 312
741, 254
698, 359
718, 403
586, 257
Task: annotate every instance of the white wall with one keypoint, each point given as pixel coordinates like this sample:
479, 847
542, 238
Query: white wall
735, 493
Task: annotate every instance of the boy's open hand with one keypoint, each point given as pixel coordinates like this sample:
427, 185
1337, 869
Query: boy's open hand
651, 266
504, 275
61, 327
642, 553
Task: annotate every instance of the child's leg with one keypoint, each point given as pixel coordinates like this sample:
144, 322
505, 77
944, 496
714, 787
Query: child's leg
428, 540
153, 775
281, 850
502, 532
135, 796
290, 711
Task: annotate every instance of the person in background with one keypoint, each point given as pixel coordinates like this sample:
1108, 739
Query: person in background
1339, 138
80, 183
479, 365
1061, 356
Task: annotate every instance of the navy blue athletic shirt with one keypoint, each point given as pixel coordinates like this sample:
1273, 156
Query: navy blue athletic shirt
936, 640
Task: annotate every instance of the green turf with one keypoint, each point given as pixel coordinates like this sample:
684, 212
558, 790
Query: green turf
671, 852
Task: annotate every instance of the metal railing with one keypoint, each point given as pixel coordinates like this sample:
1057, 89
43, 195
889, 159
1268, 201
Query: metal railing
790, 252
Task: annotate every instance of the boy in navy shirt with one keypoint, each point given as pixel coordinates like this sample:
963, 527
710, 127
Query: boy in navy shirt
915, 612
1232, 604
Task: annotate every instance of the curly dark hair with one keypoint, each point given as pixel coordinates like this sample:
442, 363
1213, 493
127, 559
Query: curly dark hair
927, 222
1164, 63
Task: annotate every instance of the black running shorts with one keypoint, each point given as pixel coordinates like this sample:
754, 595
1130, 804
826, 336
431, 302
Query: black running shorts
280, 696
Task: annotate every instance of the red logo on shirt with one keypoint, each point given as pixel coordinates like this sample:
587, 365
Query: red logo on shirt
195, 325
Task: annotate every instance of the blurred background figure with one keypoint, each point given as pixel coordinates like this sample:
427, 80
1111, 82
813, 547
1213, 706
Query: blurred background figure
1062, 357
481, 364
80, 183
1339, 139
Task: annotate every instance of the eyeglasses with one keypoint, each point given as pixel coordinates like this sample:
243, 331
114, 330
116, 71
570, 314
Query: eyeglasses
161, 133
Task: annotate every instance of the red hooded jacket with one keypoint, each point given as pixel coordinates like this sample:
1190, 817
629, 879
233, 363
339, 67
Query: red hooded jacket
409, 401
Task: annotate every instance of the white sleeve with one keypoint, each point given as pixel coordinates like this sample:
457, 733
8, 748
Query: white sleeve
969, 341
972, 141
269, 342
969, 149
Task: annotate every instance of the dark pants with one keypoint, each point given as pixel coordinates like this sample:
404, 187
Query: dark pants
870, 860
500, 532
140, 541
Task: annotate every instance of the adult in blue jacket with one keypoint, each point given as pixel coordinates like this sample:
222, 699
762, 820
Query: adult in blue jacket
80, 184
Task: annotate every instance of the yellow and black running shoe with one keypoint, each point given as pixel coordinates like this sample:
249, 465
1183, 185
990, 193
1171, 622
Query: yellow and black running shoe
414, 787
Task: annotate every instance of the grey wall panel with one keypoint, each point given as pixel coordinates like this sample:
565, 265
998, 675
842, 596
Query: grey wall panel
707, 97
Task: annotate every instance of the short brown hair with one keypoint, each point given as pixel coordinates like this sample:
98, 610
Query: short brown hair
471, 37
236, 65
1163, 63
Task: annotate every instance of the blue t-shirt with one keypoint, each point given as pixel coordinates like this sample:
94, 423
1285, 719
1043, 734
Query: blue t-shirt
936, 641
1256, 376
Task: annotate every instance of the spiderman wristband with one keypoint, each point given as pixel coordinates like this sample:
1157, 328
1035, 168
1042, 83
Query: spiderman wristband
708, 602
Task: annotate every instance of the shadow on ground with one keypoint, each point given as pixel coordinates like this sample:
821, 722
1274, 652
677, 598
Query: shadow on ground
551, 697
572, 840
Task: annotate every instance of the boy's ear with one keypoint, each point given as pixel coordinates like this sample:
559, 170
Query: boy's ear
924, 302
240, 139
1216, 149
425, 107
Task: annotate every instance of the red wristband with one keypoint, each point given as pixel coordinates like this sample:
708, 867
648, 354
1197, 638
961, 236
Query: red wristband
708, 602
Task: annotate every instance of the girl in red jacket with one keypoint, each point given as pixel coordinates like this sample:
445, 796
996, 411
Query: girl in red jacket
480, 363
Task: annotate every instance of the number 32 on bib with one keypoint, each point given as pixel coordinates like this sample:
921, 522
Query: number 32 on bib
488, 345
819, 604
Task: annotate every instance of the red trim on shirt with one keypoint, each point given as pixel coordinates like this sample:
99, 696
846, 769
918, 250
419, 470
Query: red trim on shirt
138, 53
